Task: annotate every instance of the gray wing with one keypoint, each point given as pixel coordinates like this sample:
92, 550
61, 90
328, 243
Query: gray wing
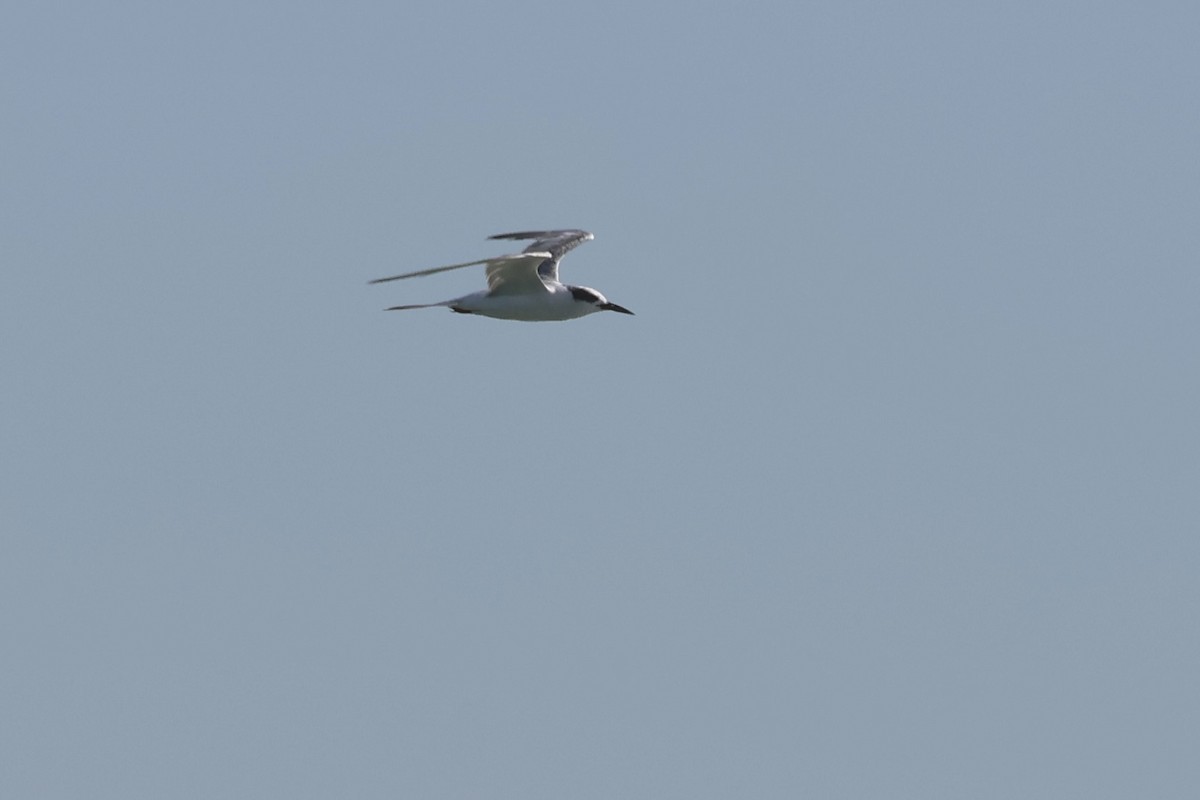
433, 271
556, 243
519, 274
514, 274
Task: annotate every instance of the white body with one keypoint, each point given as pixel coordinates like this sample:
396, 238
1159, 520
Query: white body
554, 305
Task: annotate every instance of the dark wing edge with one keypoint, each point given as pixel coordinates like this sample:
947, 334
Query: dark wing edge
557, 242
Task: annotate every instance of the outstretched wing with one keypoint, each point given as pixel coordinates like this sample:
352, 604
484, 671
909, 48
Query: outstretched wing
433, 271
516, 274
556, 243
513, 274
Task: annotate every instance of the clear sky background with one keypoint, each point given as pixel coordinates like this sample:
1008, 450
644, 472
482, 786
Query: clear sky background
891, 489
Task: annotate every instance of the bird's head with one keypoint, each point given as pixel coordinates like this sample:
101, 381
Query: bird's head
582, 294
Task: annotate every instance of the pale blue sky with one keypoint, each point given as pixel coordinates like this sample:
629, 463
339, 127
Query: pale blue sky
891, 489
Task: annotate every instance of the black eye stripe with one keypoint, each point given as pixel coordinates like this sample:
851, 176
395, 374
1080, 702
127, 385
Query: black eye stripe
584, 295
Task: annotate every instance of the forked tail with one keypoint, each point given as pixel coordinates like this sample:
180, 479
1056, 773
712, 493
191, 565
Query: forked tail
422, 305
450, 304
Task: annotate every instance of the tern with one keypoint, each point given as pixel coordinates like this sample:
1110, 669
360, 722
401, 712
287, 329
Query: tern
524, 286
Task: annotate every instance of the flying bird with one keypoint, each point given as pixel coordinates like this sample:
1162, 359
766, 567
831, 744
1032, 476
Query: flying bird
524, 286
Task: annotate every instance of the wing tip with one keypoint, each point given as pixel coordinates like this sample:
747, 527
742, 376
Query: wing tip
585, 235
